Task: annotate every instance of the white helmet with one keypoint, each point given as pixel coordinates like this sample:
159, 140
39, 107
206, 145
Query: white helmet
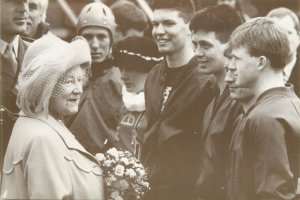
97, 14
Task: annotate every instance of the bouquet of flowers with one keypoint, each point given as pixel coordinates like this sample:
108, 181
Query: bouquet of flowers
124, 176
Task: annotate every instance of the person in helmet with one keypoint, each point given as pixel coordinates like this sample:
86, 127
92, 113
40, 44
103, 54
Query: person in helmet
96, 122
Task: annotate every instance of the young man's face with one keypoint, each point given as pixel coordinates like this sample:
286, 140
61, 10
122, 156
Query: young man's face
209, 51
13, 16
99, 41
170, 32
242, 74
287, 24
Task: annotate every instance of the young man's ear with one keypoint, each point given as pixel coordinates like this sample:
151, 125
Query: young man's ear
262, 62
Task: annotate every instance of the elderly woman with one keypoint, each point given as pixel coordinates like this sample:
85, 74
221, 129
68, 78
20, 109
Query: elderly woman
43, 159
135, 56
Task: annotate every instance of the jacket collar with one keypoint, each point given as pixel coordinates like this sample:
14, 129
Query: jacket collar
283, 91
193, 63
100, 69
65, 134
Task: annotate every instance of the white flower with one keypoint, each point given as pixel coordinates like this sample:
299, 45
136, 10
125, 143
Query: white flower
107, 163
113, 152
130, 172
131, 161
138, 165
145, 184
121, 153
125, 160
140, 172
119, 170
100, 157
116, 195
110, 179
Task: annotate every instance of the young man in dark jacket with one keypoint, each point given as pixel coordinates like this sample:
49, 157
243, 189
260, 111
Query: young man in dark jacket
264, 152
96, 122
176, 94
211, 29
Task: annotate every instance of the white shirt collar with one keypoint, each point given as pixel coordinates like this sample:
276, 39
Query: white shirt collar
15, 44
3, 45
289, 67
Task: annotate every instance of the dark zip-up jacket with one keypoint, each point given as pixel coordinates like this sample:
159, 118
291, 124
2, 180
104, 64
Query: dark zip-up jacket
172, 140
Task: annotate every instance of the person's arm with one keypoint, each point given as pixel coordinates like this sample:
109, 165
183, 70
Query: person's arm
45, 169
273, 175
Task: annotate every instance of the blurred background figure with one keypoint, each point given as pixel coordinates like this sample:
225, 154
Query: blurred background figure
97, 120
36, 22
264, 6
12, 49
289, 22
135, 56
43, 159
231, 3
130, 19
236, 5
62, 14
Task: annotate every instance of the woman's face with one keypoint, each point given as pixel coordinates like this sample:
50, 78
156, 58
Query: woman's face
69, 90
133, 79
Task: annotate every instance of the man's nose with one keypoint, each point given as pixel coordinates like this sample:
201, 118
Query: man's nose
228, 77
199, 51
159, 29
94, 43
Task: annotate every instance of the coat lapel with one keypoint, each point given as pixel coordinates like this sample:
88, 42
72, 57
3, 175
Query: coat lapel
65, 134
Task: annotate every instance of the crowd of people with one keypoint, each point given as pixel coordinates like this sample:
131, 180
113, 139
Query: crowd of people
209, 103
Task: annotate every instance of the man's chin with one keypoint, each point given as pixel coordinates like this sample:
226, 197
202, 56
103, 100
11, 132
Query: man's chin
97, 61
28, 32
165, 51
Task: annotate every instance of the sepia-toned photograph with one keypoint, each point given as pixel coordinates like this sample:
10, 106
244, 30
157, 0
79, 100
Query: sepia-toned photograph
150, 99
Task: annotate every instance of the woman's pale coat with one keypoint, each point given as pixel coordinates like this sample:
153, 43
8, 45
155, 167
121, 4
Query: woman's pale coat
45, 161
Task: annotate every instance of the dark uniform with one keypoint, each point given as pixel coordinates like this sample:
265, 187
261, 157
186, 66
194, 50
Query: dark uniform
217, 130
264, 162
